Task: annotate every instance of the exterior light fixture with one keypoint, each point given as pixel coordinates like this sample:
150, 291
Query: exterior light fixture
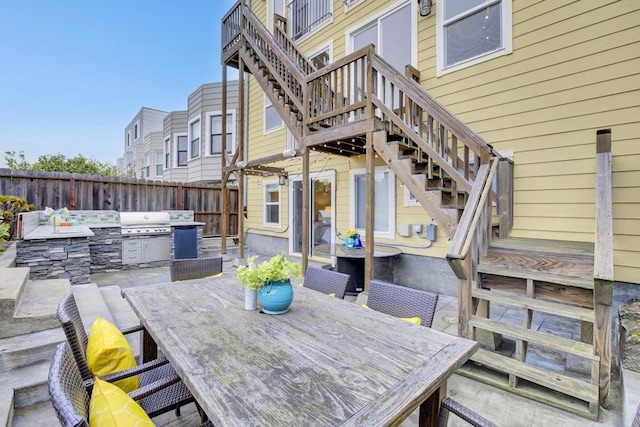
425, 7
283, 178
242, 164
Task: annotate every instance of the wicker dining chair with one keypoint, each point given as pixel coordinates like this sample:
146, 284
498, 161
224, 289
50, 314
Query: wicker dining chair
69, 395
636, 420
448, 405
401, 301
326, 281
157, 377
195, 268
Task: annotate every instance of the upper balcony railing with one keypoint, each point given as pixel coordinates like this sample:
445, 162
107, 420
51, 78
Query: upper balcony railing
306, 15
232, 30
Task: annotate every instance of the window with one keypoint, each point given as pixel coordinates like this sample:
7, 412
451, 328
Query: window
272, 120
147, 165
472, 31
274, 6
272, 204
167, 153
194, 137
128, 138
409, 198
307, 15
214, 130
159, 165
142, 168
181, 150
321, 58
384, 203
136, 131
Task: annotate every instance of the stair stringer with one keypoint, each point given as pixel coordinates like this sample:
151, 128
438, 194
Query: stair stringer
430, 200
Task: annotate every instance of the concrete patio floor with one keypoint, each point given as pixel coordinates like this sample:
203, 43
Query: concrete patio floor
501, 407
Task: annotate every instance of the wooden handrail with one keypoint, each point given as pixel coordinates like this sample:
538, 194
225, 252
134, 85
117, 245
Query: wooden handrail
284, 41
467, 227
352, 57
231, 28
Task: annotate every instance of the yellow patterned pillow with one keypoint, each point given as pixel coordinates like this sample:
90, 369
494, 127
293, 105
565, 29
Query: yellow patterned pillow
416, 320
111, 407
108, 351
332, 294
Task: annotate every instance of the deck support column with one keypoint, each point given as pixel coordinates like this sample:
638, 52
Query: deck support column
223, 163
603, 263
306, 184
370, 168
240, 144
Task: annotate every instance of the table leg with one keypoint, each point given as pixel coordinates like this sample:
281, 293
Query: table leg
149, 347
430, 408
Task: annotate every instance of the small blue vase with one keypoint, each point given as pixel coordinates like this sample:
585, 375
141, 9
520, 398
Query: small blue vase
357, 243
349, 242
276, 297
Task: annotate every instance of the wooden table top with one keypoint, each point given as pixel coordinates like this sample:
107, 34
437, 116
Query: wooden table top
325, 362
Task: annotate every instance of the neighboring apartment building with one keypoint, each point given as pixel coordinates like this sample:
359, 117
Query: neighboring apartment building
140, 151
184, 145
534, 80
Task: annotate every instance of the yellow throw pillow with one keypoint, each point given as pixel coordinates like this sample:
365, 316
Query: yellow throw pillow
416, 320
111, 407
108, 351
332, 294
364, 306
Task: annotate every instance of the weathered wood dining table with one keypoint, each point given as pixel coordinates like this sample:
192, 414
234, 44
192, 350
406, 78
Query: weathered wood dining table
325, 362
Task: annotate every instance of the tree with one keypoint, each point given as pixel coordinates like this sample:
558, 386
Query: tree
58, 163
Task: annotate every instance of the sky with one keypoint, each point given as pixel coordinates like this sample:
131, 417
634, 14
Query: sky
74, 73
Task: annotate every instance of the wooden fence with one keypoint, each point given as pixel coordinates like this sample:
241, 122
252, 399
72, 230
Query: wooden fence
92, 192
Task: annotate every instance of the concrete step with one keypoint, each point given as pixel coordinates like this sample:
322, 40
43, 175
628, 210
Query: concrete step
12, 283
35, 307
8, 257
90, 304
21, 388
28, 349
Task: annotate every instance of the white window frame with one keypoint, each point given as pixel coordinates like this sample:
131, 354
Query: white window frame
408, 200
271, 10
390, 232
267, 103
350, 32
328, 47
175, 149
191, 138
166, 153
350, 4
159, 156
232, 131
266, 184
506, 29
136, 130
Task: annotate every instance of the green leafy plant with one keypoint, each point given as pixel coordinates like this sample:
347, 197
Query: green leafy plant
10, 207
278, 268
4, 235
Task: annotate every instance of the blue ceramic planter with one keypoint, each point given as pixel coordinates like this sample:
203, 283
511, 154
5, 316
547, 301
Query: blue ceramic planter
276, 297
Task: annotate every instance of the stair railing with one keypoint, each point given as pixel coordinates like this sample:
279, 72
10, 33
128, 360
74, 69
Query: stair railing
231, 30
284, 41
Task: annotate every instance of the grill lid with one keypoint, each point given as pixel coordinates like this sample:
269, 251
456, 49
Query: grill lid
144, 219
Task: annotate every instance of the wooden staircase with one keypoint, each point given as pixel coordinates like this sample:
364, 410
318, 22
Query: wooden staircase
537, 278
361, 101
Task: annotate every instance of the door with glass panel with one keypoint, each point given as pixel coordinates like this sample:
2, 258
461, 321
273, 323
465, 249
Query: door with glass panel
322, 220
391, 33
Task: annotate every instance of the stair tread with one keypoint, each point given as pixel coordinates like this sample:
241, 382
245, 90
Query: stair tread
565, 247
29, 348
11, 282
539, 276
567, 385
41, 298
560, 343
565, 310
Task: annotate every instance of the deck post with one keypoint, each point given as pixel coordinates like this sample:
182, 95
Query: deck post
306, 184
240, 144
603, 263
223, 163
370, 167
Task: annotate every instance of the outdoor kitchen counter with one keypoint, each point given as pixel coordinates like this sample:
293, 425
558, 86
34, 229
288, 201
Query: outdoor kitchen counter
47, 232
185, 223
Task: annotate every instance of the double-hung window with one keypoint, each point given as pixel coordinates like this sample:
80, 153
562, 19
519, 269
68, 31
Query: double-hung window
384, 202
159, 162
167, 153
182, 147
272, 120
271, 204
194, 138
214, 127
472, 31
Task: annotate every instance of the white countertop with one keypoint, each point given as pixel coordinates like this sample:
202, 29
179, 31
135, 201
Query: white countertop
47, 232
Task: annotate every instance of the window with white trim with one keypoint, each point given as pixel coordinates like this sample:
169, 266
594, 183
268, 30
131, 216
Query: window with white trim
274, 6
182, 148
167, 153
321, 58
194, 138
272, 204
136, 131
272, 119
214, 132
409, 198
159, 159
472, 31
307, 15
129, 138
384, 201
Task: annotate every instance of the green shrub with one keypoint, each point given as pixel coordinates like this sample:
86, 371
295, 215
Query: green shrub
10, 207
4, 235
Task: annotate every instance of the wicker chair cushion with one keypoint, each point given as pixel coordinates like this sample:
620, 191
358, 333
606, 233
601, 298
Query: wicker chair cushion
110, 406
108, 351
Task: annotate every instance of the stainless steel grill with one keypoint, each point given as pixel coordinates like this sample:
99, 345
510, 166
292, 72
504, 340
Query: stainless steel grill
145, 223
